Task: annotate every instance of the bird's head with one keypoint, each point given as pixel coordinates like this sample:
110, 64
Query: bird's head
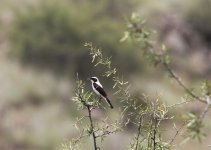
94, 79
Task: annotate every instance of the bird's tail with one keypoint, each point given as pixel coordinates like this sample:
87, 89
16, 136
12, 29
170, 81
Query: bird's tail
109, 102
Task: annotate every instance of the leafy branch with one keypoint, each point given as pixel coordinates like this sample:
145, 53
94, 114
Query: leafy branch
141, 36
86, 100
146, 114
83, 98
147, 118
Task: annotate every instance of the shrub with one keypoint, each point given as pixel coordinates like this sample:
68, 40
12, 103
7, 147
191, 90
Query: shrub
50, 34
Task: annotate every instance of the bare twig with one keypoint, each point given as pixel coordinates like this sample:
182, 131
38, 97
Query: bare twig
155, 132
206, 108
106, 133
204, 112
92, 128
177, 104
177, 132
139, 133
173, 75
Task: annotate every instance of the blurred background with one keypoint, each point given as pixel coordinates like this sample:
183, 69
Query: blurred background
41, 50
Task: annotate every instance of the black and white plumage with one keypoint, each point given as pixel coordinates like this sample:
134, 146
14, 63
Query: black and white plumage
98, 89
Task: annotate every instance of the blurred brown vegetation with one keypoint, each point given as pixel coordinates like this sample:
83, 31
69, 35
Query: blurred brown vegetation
41, 50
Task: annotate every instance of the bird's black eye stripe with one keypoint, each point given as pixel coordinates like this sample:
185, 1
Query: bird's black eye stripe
94, 79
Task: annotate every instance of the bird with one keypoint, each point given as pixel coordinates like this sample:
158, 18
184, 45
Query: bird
98, 89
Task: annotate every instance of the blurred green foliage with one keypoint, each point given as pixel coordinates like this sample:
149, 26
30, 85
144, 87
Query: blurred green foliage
206, 88
52, 34
194, 128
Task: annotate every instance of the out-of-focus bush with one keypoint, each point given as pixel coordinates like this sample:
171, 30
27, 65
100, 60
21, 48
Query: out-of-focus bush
52, 34
199, 18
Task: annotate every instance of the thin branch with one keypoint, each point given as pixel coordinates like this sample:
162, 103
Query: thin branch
177, 104
204, 111
91, 122
177, 132
92, 128
171, 72
206, 108
139, 133
154, 134
106, 133
150, 134
106, 130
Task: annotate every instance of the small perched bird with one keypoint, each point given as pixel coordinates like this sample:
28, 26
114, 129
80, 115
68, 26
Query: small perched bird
98, 89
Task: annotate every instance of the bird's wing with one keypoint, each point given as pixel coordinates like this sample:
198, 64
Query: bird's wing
100, 89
